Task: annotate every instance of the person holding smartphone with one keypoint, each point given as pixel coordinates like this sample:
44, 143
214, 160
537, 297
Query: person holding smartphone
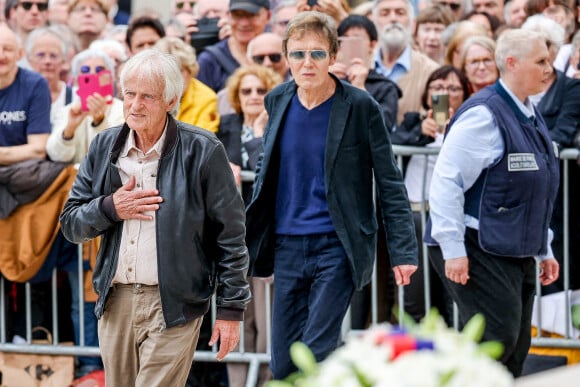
358, 38
74, 128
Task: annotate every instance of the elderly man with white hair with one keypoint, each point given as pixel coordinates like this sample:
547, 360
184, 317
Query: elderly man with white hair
396, 59
491, 233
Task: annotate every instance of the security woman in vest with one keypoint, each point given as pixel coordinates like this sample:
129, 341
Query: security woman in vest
491, 198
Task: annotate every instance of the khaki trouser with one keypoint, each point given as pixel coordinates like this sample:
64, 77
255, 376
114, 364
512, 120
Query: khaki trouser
136, 348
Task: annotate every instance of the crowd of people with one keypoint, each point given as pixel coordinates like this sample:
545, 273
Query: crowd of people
310, 97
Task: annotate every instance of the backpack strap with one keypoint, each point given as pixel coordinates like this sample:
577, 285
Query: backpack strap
225, 61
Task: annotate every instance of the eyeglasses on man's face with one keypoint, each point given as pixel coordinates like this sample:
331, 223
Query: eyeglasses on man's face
87, 69
27, 5
299, 55
274, 58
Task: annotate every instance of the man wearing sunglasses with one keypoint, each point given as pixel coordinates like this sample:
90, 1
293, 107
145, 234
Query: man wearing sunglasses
29, 15
266, 50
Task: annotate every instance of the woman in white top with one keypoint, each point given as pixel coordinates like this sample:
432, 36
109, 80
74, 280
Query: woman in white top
74, 129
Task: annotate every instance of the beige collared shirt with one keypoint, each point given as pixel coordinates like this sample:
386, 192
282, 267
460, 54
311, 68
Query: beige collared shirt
138, 251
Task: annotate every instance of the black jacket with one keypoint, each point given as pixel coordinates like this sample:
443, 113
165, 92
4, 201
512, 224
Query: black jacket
200, 224
357, 149
560, 107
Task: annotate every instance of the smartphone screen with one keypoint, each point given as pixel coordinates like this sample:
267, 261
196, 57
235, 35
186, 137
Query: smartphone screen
89, 84
312, 3
350, 47
440, 105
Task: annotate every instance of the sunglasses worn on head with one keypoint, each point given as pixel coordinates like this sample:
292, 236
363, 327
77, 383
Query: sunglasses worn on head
299, 55
181, 4
87, 69
27, 5
248, 91
274, 58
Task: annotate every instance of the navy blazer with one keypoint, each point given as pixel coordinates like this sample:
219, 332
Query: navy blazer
357, 148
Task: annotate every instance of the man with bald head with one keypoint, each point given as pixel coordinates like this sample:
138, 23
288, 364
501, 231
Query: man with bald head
266, 50
23, 130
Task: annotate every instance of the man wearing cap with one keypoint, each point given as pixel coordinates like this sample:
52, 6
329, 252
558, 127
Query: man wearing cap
247, 19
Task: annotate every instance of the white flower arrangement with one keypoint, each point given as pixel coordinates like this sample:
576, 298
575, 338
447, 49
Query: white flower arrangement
425, 355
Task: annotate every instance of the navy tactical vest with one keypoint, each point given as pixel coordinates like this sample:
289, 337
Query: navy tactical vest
513, 198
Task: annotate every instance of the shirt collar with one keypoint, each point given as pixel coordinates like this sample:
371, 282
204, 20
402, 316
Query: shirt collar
526, 107
131, 145
403, 60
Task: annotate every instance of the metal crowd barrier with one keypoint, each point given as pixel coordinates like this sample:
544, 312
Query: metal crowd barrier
254, 360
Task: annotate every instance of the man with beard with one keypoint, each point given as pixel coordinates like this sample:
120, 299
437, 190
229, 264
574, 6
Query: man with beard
396, 59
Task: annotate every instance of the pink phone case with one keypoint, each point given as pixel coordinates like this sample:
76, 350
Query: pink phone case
101, 83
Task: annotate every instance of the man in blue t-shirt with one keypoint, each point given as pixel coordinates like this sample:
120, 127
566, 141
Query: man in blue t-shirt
24, 105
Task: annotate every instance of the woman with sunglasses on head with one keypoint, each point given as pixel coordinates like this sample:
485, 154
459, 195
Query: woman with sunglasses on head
312, 220
74, 128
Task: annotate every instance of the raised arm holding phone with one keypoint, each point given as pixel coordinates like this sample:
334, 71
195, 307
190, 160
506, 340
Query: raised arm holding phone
94, 109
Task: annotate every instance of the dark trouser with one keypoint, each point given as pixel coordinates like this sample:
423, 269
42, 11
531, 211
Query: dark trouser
500, 288
313, 290
415, 291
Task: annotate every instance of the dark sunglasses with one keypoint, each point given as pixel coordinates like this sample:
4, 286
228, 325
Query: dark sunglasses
314, 54
274, 58
248, 91
27, 5
453, 6
181, 4
87, 69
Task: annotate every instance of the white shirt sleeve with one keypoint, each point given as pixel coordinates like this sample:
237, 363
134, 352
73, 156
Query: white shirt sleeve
473, 143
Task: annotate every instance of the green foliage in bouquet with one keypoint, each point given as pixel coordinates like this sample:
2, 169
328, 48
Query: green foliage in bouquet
451, 360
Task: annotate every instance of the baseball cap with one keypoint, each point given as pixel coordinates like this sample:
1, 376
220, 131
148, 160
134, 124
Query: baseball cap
251, 6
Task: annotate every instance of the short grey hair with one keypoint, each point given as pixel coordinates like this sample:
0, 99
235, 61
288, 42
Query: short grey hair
553, 32
43, 31
516, 43
155, 66
87, 54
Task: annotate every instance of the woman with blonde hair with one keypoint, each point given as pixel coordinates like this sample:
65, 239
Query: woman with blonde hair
198, 104
478, 62
464, 30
